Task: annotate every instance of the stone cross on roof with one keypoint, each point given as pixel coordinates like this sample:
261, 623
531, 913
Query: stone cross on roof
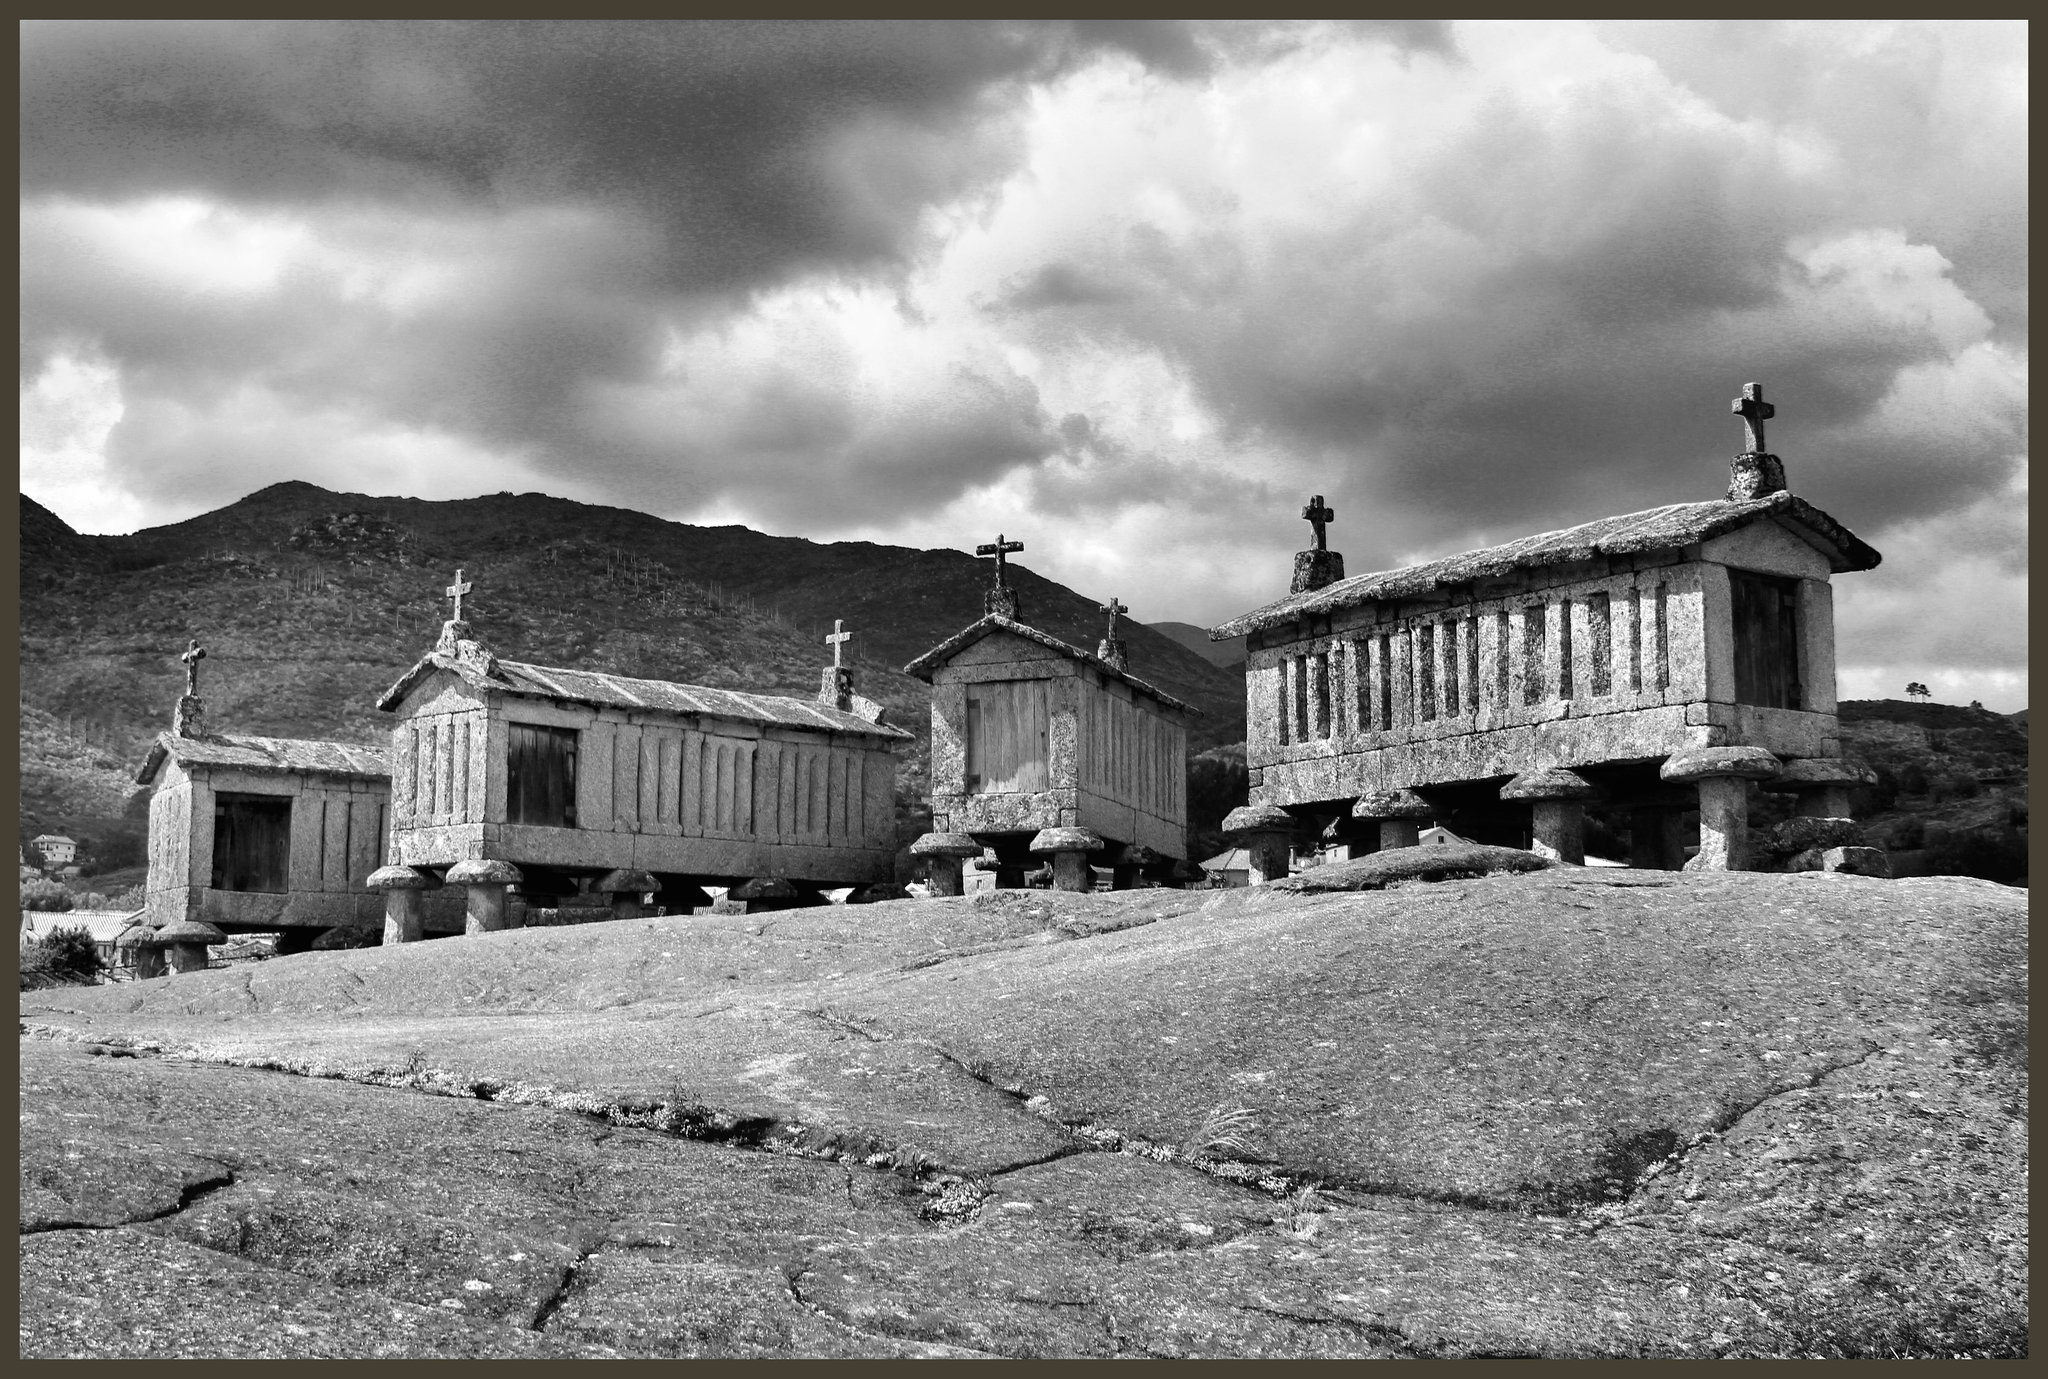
456, 591
837, 638
999, 548
194, 654
1115, 611
1319, 517
1754, 412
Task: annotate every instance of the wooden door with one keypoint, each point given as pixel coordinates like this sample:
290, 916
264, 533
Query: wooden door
1766, 612
1008, 729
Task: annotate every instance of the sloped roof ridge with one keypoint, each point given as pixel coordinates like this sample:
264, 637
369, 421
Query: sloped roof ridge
1660, 528
924, 665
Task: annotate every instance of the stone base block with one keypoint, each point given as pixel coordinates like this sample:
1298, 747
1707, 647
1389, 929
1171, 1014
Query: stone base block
1857, 861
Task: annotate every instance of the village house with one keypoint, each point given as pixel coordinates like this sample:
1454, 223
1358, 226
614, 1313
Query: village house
1041, 751
569, 783
56, 850
254, 834
1657, 661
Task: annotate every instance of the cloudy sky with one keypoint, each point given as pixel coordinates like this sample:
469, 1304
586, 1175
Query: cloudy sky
1128, 292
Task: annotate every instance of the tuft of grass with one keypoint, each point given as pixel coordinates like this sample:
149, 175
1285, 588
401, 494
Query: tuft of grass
1303, 1211
1222, 1130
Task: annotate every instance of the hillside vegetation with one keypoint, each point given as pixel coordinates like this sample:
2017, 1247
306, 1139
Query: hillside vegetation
310, 603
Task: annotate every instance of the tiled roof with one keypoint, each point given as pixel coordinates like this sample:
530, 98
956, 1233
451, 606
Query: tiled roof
926, 665
270, 754
625, 692
1658, 529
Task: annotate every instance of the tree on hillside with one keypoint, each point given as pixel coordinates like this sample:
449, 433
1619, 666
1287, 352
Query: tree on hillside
1916, 690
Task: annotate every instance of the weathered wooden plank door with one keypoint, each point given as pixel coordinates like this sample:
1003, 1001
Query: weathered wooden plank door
1008, 731
1766, 639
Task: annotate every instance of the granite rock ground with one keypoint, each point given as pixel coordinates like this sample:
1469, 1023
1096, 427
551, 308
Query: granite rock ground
1572, 1112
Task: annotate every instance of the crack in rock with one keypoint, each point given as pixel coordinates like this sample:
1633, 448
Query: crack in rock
566, 1284
189, 1196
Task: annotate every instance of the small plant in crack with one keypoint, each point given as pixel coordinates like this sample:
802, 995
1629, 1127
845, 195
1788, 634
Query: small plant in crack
911, 1162
1302, 1211
1223, 1130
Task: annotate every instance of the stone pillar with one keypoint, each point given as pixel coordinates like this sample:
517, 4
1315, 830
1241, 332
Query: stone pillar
405, 901
944, 853
1722, 774
1069, 849
1646, 839
149, 960
485, 882
1677, 836
1399, 814
1266, 833
1557, 808
1820, 786
626, 889
1131, 865
185, 944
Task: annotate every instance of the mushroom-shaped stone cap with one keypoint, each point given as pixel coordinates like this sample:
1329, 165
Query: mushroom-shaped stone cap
190, 931
488, 872
945, 845
1393, 804
764, 888
1138, 855
138, 936
1704, 763
397, 878
627, 882
1806, 772
1258, 818
1052, 840
1551, 783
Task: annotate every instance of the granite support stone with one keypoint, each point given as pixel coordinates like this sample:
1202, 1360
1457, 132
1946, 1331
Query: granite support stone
405, 901
1557, 812
1557, 829
185, 944
1678, 834
1723, 775
1069, 849
1399, 814
627, 889
1266, 833
484, 901
945, 854
1857, 861
1646, 839
1724, 825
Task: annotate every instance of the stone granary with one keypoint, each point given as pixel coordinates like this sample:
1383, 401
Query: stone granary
563, 782
251, 834
1041, 750
1657, 660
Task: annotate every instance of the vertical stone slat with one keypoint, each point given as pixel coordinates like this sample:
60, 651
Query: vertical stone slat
1425, 672
1448, 641
1600, 636
334, 843
744, 789
1534, 659
1472, 667
1503, 663
1662, 635
1567, 686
